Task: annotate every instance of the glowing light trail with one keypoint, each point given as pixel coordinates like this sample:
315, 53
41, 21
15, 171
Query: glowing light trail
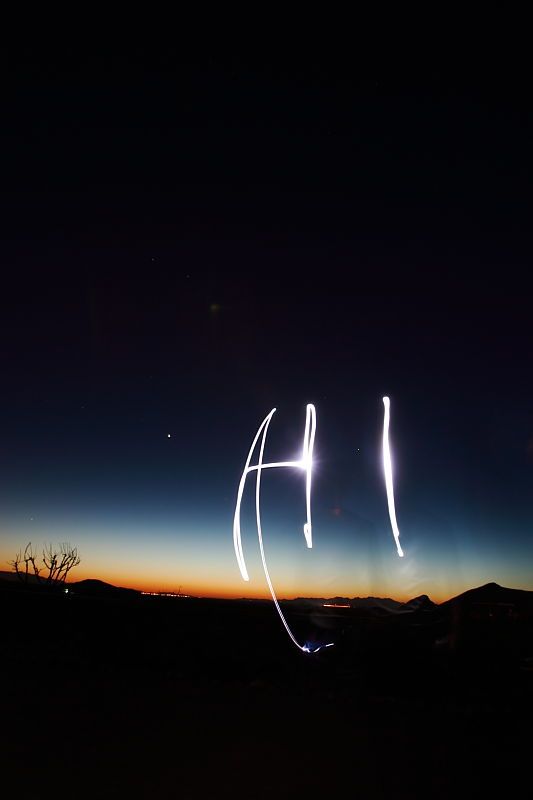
387, 468
305, 463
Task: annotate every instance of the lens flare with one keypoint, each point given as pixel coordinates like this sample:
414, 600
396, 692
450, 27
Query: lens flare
387, 468
306, 464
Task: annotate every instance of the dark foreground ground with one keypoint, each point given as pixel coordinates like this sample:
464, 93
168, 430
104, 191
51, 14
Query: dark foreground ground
142, 697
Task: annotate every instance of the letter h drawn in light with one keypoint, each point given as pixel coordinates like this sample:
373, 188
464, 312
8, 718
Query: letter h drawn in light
305, 464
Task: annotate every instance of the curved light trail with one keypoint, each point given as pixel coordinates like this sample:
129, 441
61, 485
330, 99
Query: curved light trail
305, 463
387, 468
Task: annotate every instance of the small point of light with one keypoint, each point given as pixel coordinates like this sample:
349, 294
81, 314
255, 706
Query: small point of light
168, 435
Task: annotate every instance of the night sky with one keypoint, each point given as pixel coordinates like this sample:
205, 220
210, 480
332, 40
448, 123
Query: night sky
187, 243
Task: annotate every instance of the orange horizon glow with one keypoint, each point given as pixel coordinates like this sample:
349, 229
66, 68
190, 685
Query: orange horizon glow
224, 592
214, 575
237, 592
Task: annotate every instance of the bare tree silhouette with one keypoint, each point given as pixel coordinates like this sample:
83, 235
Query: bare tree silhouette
57, 562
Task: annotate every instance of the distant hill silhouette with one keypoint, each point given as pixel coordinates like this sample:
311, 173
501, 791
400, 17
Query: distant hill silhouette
372, 605
491, 596
95, 587
491, 592
488, 594
420, 603
12, 577
88, 587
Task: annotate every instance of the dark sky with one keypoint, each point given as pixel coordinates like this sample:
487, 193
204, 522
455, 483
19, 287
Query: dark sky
189, 242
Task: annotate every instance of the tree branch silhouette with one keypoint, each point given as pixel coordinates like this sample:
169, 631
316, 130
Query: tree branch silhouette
57, 560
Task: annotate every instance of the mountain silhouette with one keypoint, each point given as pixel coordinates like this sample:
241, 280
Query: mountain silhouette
93, 586
492, 593
10, 577
420, 603
372, 605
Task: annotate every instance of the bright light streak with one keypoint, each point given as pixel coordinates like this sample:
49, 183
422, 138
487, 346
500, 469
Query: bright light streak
307, 459
387, 467
306, 463
307, 649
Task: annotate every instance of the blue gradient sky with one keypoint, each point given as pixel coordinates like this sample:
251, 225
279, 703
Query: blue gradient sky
156, 513
188, 244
